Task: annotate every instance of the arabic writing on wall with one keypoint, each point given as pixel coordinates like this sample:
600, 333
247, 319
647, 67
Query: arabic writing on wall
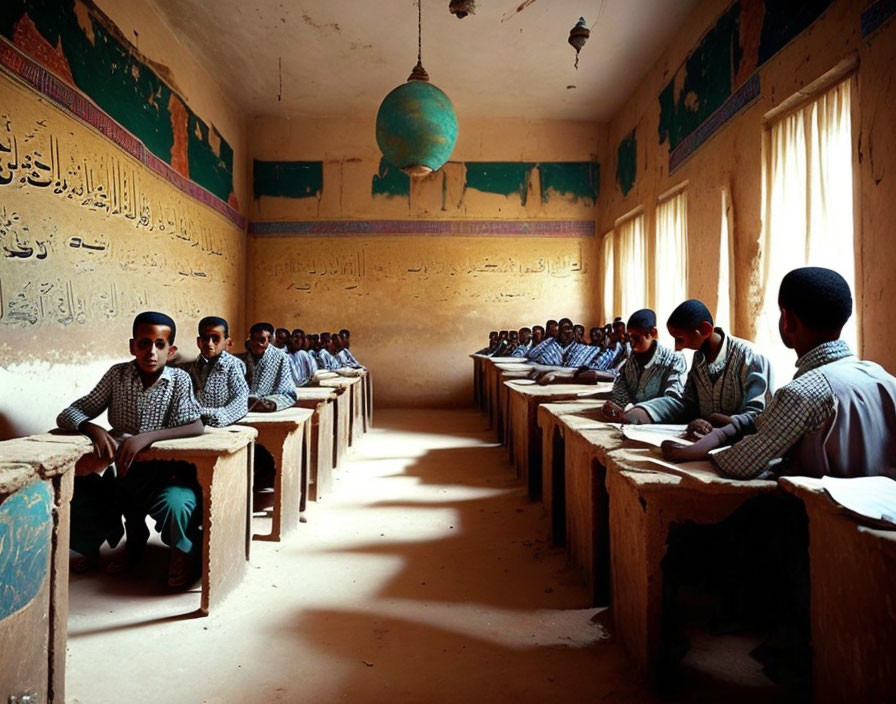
87, 234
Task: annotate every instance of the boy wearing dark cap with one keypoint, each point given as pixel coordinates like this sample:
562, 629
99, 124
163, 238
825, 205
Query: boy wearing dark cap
651, 373
146, 401
838, 415
729, 381
219, 378
268, 374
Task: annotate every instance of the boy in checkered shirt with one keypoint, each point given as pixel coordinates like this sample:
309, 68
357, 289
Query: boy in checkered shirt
219, 378
146, 401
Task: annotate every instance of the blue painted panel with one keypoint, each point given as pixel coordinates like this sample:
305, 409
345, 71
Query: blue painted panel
26, 525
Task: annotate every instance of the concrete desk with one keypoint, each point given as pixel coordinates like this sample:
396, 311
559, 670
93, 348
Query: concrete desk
36, 481
524, 402
478, 380
492, 379
643, 504
358, 423
553, 459
343, 417
321, 402
286, 435
506, 372
223, 460
368, 400
852, 573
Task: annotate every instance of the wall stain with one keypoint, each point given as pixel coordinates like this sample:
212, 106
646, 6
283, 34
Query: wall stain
287, 179
519, 8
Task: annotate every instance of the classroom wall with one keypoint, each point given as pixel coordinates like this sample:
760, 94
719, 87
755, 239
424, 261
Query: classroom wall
637, 174
122, 186
422, 270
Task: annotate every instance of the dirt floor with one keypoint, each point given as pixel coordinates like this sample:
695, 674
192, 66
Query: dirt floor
425, 577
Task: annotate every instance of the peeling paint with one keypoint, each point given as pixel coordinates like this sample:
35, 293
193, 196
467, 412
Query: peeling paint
26, 522
503, 177
287, 179
627, 163
390, 181
579, 179
519, 8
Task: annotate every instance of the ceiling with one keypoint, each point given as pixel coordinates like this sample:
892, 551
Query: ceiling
318, 58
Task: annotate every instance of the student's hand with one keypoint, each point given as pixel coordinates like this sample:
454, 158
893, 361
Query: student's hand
549, 378
127, 451
612, 413
636, 416
719, 420
262, 405
675, 451
104, 445
698, 428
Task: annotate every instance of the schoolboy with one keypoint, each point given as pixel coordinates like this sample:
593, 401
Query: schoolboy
219, 378
729, 381
523, 343
281, 335
551, 352
268, 374
537, 335
492, 344
837, 415
302, 364
146, 401
550, 330
651, 372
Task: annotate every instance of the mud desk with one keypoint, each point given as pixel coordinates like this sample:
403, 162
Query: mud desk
286, 435
644, 503
323, 432
524, 403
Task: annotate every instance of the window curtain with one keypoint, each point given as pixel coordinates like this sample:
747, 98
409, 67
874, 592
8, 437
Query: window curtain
631, 265
608, 282
807, 209
671, 259
724, 316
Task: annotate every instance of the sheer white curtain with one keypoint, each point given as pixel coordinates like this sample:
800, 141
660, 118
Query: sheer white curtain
724, 316
807, 209
671, 259
609, 281
631, 265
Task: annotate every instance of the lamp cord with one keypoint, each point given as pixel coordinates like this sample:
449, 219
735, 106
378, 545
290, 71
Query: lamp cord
419, 30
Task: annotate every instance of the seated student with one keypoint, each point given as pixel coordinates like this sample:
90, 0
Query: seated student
268, 373
345, 338
579, 333
146, 401
651, 372
838, 415
281, 337
550, 354
346, 359
729, 381
523, 343
492, 344
503, 344
219, 378
549, 333
302, 364
537, 335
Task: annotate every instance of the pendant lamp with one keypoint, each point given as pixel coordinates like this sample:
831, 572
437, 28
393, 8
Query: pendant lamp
416, 127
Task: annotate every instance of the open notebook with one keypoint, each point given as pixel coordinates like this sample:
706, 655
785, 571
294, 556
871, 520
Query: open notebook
871, 499
655, 433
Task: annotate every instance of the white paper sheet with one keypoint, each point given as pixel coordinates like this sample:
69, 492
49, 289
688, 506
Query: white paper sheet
872, 497
655, 434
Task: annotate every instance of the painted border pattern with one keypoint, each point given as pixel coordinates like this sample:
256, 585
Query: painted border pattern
77, 104
736, 102
428, 228
876, 15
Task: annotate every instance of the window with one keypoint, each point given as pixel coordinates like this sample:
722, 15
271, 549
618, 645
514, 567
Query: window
670, 259
631, 265
807, 208
608, 282
724, 316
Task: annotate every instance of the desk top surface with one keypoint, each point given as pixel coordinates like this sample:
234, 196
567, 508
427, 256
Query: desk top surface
339, 382
49, 454
571, 391
641, 464
214, 441
288, 416
315, 393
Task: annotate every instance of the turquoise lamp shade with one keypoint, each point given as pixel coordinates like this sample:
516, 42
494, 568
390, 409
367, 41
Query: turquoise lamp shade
416, 127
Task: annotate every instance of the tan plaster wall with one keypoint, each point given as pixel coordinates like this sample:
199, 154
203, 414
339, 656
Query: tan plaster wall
732, 158
418, 305
66, 316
